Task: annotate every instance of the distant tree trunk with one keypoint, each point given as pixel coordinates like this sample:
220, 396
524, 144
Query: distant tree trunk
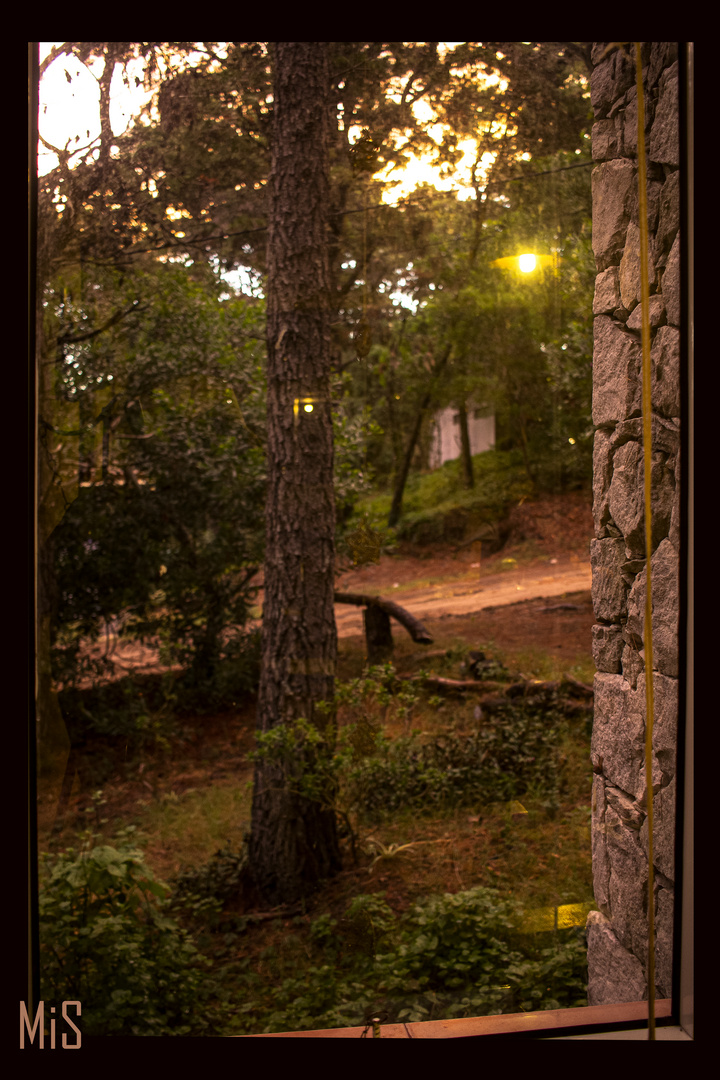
86, 465
394, 432
293, 842
529, 471
378, 635
401, 481
53, 742
467, 465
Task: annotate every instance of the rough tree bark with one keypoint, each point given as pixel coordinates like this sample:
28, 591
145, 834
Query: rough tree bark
465, 454
293, 843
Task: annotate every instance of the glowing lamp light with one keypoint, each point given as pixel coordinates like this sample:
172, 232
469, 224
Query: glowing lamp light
527, 262
305, 403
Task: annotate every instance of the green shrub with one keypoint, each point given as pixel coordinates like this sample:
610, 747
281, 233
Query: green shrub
449, 956
517, 753
213, 883
107, 942
462, 955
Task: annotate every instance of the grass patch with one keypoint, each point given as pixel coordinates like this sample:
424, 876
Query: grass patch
193, 823
437, 507
538, 664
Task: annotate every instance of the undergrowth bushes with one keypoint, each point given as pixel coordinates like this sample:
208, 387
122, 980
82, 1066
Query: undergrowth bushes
436, 505
107, 941
449, 956
113, 939
517, 752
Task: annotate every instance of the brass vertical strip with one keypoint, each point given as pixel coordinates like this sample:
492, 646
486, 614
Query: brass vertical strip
647, 461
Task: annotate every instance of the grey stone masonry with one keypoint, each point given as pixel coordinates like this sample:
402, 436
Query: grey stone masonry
617, 931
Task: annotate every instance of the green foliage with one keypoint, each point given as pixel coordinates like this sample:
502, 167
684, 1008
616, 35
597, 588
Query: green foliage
448, 956
519, 752
165, 537
362, 771
205, 888
437, 507
107, 941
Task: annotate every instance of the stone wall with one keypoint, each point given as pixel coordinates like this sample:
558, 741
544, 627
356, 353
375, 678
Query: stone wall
617, 931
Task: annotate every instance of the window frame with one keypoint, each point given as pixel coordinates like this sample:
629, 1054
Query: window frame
611, 1021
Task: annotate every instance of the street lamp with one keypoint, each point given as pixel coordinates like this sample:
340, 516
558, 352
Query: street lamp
527, 262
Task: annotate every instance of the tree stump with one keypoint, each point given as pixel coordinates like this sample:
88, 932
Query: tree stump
378, 634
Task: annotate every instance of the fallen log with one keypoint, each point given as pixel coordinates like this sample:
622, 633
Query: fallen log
414, 627
560, 607
501, 693
437, 682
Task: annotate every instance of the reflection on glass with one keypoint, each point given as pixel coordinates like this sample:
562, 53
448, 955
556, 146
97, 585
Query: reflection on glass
459, 777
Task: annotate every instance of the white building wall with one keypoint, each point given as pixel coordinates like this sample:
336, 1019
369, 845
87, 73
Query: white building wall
446, 444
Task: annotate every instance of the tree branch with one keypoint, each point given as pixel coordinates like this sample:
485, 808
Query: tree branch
414, 627
73, 339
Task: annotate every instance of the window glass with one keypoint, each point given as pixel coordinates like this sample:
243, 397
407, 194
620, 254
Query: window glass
388, 824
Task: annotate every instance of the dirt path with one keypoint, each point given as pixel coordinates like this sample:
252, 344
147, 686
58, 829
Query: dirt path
546, 555
459, 596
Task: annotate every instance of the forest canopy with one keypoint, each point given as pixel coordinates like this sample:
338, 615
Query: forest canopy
152, 251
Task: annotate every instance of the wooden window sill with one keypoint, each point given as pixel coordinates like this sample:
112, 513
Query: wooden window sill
523, 1024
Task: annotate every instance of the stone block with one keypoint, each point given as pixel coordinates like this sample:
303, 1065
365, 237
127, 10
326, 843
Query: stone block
632, 664
602, 476
617, 746
676, 515
607, 648
670, 284
665, 708
665, 366
614, 974
669, 220
656, 311
600, 862
605, 142
664, 807
664, 141
609, 590
663, 54
614, 190
607, 292
654, 190
664, 905
664, 742
617, 389
629, 274
627, 885
609, 81
665, 434
630, 813
664, 571
626, 496
630, 121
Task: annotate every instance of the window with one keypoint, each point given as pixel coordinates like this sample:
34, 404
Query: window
539, 1025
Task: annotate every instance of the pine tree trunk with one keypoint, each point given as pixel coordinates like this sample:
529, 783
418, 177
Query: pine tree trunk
293, 843
467, 465
401, 481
